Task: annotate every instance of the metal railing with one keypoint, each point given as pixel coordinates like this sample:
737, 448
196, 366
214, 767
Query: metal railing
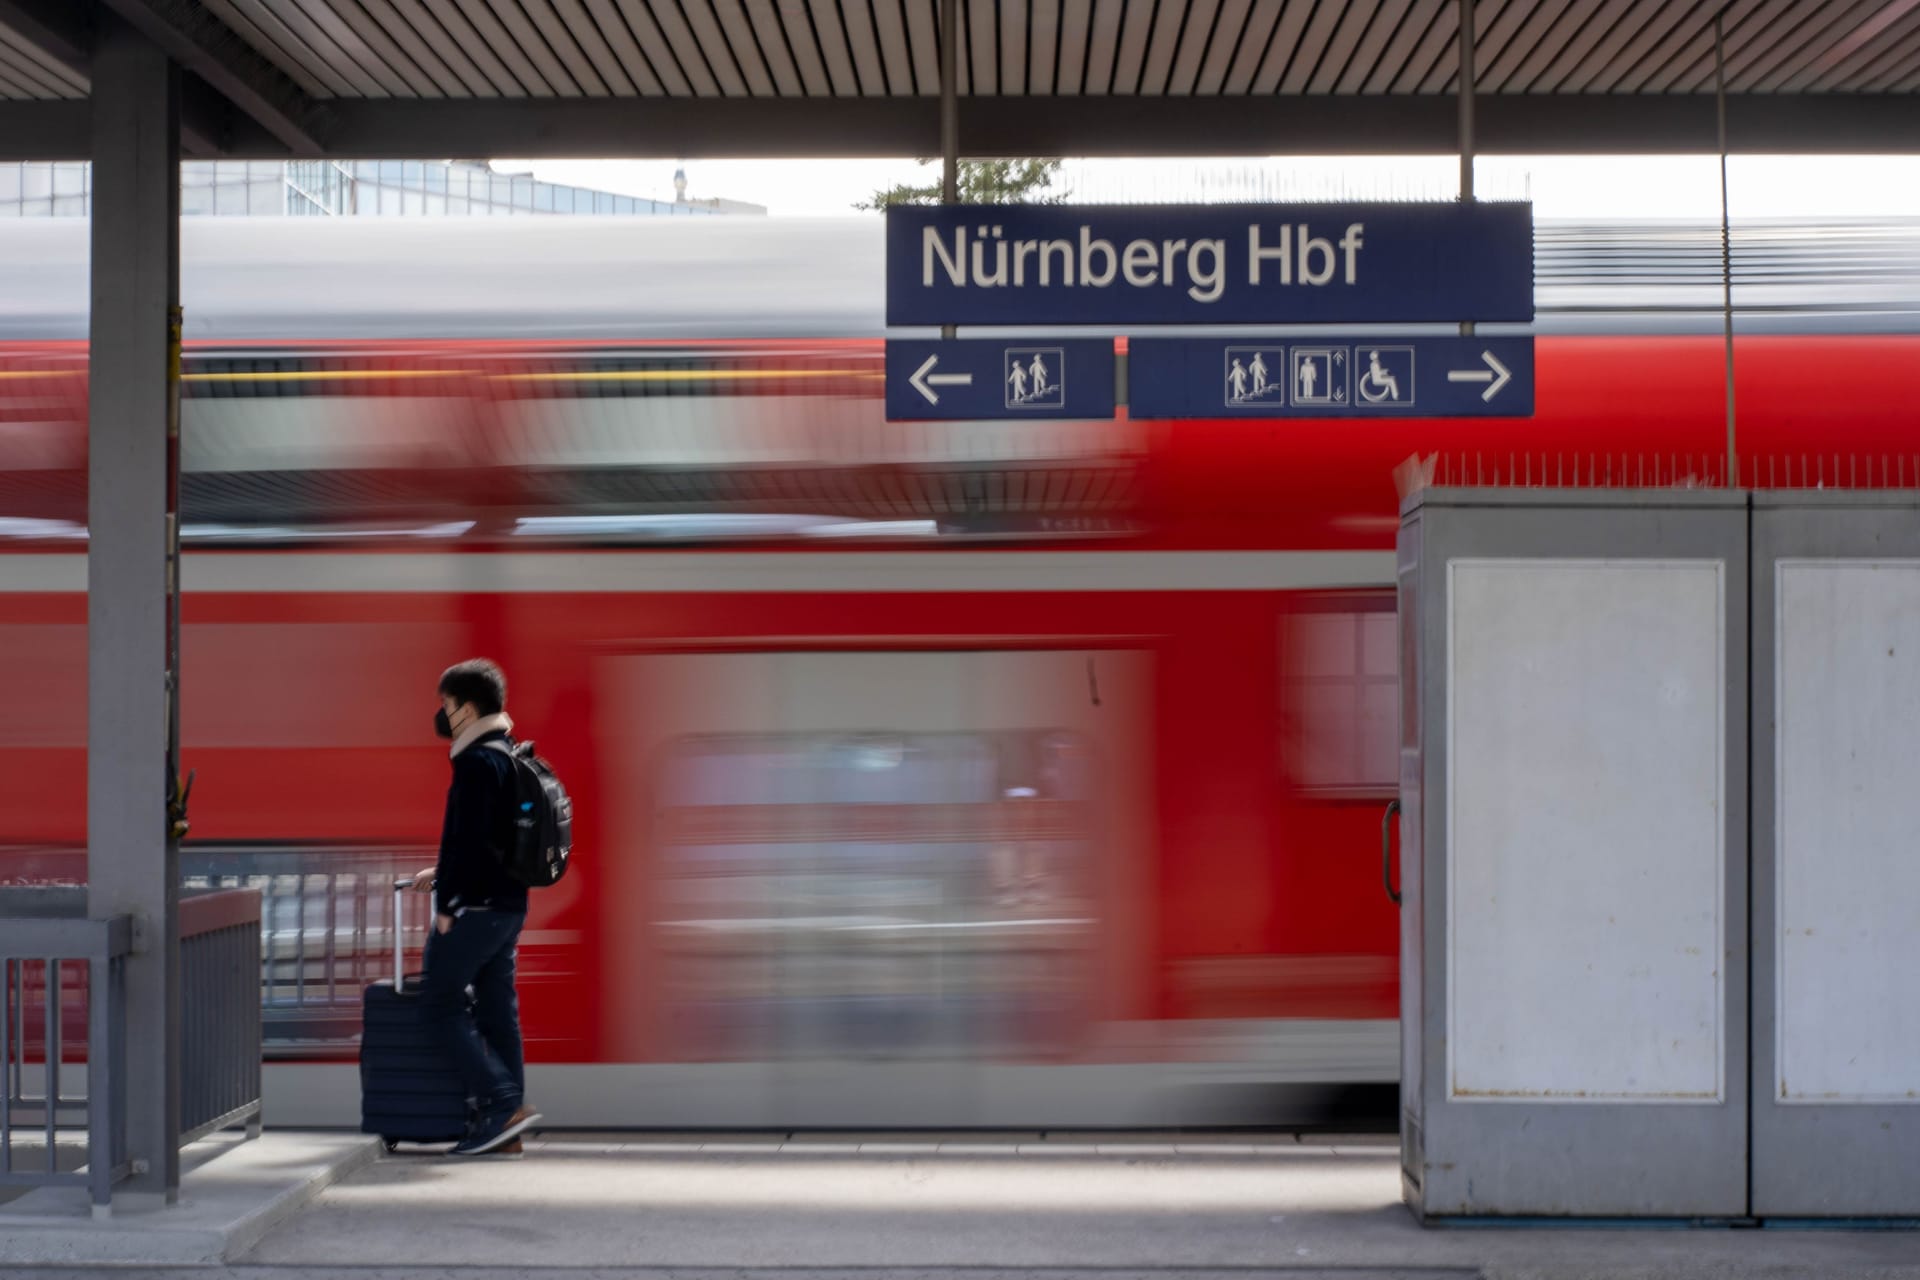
325, 924
327, 930
61, 970
220, 1034
65, 1005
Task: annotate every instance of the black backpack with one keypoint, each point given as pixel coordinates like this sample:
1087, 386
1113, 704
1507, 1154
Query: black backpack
536, 854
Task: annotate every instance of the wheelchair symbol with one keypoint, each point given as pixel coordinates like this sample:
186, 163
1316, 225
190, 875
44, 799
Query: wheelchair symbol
1388, 377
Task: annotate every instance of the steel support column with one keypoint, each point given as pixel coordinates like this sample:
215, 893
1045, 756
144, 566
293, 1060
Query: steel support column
1468, 77
132, 860
949, 113
1726, 239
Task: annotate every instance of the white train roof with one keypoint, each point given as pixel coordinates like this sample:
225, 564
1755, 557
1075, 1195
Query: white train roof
592, 279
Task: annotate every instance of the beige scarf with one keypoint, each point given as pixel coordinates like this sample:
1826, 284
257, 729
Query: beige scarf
478, 728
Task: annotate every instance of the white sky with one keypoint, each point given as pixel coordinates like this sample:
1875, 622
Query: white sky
1612, 187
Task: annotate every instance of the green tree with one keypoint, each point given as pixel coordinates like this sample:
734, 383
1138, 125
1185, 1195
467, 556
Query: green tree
982, 182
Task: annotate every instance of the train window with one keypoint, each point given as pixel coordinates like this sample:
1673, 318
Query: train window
609, 446
1340, 695
876, 895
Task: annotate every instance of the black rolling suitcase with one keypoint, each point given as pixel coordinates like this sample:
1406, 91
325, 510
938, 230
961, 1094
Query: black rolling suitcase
410, 1090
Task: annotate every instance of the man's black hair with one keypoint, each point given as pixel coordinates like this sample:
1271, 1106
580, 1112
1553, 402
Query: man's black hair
477, 681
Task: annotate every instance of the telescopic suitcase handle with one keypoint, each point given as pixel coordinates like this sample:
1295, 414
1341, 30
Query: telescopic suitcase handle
400, 888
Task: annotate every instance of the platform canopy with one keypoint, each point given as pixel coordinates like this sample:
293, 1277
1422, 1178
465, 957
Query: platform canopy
714, 78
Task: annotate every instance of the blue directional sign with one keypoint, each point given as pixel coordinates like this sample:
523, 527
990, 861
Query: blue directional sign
1297, 264
1332, 375
1016, 378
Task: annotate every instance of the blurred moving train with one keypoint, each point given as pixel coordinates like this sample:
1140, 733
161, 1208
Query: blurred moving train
989, 774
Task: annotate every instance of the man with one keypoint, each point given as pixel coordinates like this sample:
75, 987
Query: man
478, 912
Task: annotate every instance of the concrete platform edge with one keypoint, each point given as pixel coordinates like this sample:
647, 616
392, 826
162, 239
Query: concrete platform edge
228, 1205
250, 1231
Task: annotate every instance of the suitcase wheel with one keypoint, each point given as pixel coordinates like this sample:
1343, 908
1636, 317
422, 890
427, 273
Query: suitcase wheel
391, 1144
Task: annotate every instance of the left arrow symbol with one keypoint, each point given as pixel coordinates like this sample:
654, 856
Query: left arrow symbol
924, 379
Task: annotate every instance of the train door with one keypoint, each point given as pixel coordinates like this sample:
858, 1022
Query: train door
872, 888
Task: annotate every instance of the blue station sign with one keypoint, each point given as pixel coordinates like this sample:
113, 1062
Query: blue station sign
1293, 264
1330, 375
974, 378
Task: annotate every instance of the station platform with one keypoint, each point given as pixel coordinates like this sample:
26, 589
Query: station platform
895, 1205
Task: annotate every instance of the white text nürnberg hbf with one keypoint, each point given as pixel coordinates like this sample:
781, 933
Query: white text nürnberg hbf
986, 260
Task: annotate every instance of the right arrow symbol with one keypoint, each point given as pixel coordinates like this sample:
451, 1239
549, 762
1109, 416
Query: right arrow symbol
1495, 375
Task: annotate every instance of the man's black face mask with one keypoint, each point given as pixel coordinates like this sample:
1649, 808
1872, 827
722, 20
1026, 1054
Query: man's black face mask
441, 725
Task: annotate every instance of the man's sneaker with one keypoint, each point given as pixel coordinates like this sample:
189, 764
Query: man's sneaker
513, 1150
491, 1135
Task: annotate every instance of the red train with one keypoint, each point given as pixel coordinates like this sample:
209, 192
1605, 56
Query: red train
970, 774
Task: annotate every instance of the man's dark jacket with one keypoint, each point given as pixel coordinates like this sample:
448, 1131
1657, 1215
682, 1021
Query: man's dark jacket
479, 813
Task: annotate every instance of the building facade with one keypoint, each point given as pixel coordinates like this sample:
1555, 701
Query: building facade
330, 188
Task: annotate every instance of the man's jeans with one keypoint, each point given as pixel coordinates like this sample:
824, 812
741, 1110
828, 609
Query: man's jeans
482, 1035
